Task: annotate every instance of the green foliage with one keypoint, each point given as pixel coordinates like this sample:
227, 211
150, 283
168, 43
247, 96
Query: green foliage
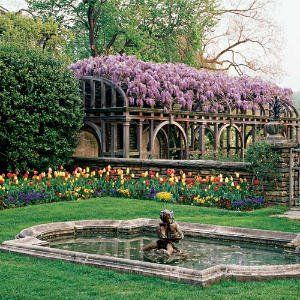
264, 162
47, 36
157, 30
40, 109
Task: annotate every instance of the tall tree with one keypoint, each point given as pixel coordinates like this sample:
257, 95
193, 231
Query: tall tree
25, 31
160, 30
228, 35
246, 39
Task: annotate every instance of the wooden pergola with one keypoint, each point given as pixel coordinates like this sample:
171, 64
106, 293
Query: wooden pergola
134, 132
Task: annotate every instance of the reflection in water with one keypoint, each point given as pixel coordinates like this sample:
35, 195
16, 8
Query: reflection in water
198, 253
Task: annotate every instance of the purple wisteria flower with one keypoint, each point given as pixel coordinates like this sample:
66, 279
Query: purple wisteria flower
163, 85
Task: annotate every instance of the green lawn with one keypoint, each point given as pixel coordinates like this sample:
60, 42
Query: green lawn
31, 278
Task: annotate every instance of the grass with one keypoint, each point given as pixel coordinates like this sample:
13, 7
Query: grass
30, 278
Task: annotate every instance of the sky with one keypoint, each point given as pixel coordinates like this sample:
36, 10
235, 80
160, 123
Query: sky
287, 16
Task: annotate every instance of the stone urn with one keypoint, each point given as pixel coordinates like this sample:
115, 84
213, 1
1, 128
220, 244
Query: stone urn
275, 130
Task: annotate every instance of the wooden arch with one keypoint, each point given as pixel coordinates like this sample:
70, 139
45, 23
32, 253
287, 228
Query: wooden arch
177, 125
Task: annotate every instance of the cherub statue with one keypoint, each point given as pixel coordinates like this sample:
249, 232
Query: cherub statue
168, 232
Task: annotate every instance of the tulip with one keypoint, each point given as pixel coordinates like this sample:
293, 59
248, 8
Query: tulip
256, 182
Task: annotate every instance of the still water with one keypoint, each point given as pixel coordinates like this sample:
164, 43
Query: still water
198, 253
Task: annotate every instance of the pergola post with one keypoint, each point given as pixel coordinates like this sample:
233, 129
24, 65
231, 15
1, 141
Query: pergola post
140, 138
126, 142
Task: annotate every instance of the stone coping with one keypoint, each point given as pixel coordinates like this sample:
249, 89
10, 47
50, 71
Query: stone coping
167, 163
33, 241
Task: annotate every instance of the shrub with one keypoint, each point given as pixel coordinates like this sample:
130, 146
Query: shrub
264, 162
40, 109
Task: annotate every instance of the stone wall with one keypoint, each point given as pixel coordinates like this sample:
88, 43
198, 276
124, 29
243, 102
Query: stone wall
196, 167
281, 193
88, 145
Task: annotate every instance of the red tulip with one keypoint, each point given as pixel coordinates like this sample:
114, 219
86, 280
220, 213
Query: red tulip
256, 182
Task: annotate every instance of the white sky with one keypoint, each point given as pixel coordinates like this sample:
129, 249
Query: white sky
288, 17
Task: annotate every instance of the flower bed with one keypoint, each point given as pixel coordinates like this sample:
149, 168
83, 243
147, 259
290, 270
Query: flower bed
232, 192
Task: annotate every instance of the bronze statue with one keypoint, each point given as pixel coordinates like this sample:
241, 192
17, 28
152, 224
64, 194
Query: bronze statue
168, 232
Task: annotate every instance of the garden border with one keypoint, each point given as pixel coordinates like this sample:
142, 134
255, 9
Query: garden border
33, 241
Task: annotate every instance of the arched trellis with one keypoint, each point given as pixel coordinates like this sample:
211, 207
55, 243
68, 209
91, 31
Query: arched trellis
96, 131
119, 128
89, 143
169, 123
89, 90
199, 136
162, 138
238, 138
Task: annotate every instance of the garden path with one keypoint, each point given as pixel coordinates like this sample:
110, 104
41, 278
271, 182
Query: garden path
293, 213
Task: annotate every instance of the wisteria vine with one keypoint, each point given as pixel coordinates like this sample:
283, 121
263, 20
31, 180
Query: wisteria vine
149, 84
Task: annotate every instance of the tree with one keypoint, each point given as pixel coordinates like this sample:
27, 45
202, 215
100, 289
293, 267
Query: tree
227, 35
159, 30
246, 39
40, 109
27, 32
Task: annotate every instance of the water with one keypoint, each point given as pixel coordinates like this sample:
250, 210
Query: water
201, 253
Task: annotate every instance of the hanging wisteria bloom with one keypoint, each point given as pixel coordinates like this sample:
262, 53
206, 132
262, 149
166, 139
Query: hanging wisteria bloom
150, 84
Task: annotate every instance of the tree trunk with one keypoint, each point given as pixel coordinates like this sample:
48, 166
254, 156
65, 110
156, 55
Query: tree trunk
92, 21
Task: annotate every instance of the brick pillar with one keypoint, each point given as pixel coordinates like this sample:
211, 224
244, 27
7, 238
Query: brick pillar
280, 193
